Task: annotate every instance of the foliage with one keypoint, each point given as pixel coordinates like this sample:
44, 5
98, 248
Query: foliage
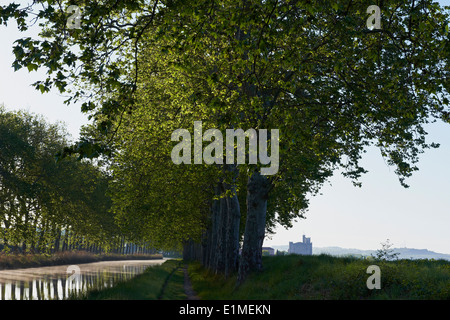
310, 69
212, 64
330, 278
47, 205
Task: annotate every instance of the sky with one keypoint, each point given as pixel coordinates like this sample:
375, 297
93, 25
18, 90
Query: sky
343, 215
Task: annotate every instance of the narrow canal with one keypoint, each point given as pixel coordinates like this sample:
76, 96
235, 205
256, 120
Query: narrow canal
60, 282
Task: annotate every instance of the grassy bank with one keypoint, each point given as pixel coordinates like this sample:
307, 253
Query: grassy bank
326, 277
163, 281
291, 277
15, 261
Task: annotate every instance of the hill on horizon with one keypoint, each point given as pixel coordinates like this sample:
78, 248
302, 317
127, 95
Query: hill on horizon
404, 253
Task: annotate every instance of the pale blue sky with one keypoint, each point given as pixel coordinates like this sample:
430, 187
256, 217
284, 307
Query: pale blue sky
418, 217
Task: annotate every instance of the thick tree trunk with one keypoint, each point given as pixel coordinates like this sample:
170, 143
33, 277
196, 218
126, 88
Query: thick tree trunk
207, 244
258, 187
232, 232
220, 251
212, 232
222, 238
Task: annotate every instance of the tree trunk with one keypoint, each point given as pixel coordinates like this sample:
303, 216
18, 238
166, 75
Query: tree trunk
209, 240
207, 248
220, 230
212, 231
232, 232
192, 251
25, 218
57, 240
122, 246
41, 244
258, 187
65, 240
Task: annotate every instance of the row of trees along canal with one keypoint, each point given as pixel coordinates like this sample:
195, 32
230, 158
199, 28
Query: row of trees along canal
48, 205
311, 69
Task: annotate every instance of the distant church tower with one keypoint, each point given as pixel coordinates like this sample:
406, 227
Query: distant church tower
304, 247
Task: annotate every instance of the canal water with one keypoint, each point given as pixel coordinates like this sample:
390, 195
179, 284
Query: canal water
60, 282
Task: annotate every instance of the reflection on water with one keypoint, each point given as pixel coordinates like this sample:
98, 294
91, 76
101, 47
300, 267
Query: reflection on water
55, 283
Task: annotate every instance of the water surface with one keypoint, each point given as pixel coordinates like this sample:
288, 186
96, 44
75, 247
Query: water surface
59, 282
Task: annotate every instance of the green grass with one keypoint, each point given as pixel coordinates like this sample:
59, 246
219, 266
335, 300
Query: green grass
326, 277
163, 281
174, 289
291, 277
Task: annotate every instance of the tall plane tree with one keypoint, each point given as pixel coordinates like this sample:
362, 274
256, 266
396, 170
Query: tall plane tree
313, 70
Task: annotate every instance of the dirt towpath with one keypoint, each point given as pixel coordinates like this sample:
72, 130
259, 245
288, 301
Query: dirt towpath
190, 293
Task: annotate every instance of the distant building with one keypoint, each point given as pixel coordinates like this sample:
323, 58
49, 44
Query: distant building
304, 247
270, 251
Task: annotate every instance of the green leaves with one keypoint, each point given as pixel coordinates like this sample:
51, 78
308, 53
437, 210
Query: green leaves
52, 195
310, 69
